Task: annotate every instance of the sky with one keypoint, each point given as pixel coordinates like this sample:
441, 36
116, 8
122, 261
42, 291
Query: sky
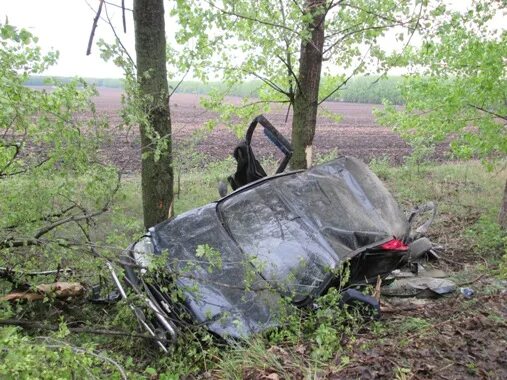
65, 25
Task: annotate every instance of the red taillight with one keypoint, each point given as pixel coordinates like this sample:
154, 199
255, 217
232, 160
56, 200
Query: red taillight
394, 245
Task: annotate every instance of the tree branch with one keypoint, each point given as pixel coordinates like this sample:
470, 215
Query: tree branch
263, 22
8, 272
17, 147
26, 169
132, 62
94, 26
35, 240
370, 12
180, 82
45, 217
270, 83
503, 117
88, 352
357, 31
123, 16
347, 79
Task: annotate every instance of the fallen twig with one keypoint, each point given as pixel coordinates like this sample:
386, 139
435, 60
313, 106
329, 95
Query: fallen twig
7, 271
472, 281
61, 290
79, 350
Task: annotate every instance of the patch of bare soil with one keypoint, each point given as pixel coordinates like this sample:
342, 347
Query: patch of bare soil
460, 339
356, 134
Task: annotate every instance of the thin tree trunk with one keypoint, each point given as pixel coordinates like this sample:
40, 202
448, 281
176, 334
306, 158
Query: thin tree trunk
157, 170
502, 217
306, 98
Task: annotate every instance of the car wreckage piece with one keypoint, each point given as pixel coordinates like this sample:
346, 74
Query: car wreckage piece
287, 235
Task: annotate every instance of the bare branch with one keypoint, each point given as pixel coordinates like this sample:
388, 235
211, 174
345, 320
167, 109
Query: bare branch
270, 83
73, 218
122, 6
94, 26
8, 272
132, 62
370, 12
264, 102
357, 31
180, 82
123, 16
291, 73
245, 17
88, 352
3, 174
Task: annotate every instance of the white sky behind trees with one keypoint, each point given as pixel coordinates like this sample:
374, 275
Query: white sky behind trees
65, 25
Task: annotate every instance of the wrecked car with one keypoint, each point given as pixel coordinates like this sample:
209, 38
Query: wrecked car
288, 235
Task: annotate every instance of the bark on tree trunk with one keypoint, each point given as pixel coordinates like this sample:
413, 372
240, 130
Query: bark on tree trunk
307, 92
502, 217
157, 170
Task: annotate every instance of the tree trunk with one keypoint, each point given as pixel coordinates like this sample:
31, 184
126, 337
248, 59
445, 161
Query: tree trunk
307, 92
502, 217
157, 170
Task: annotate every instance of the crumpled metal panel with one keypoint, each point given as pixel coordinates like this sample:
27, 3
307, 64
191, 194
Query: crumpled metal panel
302, 226
217, 295
288, 232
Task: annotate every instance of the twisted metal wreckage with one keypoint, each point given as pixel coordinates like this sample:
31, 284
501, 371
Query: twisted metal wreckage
273, 237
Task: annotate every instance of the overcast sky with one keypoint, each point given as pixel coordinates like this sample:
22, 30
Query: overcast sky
65, 25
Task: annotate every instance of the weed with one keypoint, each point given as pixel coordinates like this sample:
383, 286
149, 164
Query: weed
413, 324
382, 167
472, 368
401, 373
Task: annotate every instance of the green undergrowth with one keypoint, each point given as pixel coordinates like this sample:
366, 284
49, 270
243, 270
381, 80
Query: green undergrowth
467, 197
311, 341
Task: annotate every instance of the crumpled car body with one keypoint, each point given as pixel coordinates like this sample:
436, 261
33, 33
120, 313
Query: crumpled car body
284, 236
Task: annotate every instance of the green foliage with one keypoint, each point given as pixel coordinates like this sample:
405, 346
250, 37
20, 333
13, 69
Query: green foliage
54, 191
51, 178
325, 327
49, 357
503, 263
458, 85
488, 235
412, 325
263, 43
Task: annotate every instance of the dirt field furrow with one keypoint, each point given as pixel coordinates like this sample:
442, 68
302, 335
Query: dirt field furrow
356, 134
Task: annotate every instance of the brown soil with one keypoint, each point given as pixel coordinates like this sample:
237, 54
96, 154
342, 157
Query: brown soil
356, 134
461, 340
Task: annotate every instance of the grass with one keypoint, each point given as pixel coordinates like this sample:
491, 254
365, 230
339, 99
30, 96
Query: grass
468, 198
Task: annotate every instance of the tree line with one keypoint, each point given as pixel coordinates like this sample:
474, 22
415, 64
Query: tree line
363, 89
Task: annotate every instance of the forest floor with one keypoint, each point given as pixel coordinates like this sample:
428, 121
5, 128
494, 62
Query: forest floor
448, 338
451, 337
